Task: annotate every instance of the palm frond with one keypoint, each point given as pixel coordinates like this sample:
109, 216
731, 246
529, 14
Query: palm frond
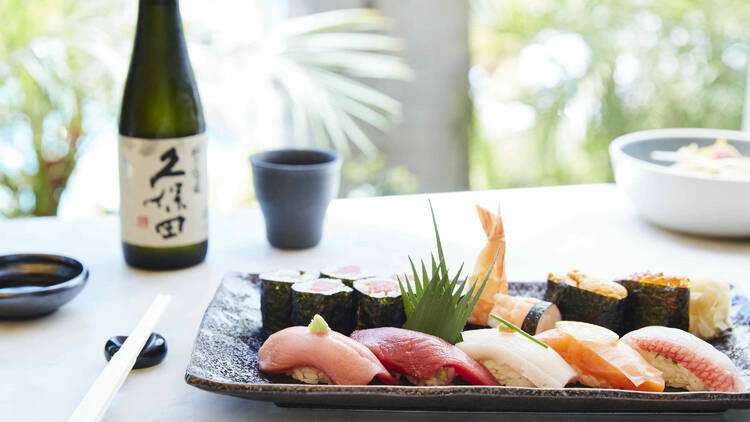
317, 58
357, 91
345, 41
335, 20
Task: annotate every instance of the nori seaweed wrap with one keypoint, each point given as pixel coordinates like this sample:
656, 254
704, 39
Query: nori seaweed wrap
379, 303
330, 298
348, 274
531, 324
276, 297
530, 314
583, 298
655, 299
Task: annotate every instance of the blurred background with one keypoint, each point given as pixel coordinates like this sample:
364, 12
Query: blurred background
419, 95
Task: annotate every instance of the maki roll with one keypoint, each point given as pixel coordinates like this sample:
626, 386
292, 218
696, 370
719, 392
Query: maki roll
329, 298
530, 314
348, 274
656, 299
379, 303
581, 297
276, 297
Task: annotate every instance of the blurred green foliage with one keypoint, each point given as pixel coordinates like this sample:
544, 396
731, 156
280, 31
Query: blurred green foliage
47, 75
369, 176
555, 81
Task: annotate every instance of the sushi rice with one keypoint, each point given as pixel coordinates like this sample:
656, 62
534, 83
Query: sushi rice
309, 375
443, 376
677, 376
505, 374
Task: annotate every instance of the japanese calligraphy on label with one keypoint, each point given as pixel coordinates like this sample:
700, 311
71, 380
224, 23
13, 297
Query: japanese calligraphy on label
163, 191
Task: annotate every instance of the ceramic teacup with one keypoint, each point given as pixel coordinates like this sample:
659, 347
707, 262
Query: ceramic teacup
294, 187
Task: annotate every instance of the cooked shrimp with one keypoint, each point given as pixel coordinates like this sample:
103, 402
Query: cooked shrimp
496, 283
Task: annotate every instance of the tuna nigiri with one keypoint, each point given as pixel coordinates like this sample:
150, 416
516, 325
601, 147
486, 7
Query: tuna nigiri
515, 360
600, 359
316, 354
423, 358
685, 360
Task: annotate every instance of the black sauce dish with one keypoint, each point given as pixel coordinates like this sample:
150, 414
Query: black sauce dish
33, 285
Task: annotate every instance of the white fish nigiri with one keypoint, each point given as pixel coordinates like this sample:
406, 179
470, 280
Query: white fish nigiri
685, 360
515, 360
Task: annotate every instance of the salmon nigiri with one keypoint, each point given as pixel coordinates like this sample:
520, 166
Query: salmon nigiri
601, 360
493, 251
316, 354
423, 358
686, 361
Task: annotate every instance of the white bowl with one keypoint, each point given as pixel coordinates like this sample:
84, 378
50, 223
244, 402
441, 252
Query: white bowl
692, 203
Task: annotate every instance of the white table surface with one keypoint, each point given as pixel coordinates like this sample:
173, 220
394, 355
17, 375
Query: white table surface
47, 364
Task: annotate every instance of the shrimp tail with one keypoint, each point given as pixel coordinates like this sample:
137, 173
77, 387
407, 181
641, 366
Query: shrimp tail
491, 223
493, 251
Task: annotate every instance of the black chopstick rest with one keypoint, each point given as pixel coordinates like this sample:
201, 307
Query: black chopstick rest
153, 352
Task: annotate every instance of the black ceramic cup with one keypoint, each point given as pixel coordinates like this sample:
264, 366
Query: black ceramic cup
294, 187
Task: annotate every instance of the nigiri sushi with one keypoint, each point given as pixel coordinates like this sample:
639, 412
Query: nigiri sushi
530, 314
493, 251
685, 360
316, 354
600, 359
423, 358
515, 360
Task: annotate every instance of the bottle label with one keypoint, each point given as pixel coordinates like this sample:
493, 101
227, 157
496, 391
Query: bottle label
163, 191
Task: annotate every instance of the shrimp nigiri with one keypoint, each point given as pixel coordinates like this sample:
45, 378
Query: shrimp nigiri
493, 251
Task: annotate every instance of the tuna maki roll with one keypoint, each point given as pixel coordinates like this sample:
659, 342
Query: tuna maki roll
379, 303
581, 297
276, 297
329, 298
348, 274
656, 299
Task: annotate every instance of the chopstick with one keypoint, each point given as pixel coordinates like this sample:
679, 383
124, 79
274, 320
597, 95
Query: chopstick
101, 393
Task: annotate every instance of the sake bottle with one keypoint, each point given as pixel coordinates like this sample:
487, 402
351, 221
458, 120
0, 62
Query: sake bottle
162, 147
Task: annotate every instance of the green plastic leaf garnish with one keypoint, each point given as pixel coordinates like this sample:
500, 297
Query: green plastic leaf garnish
318, 325
438, 304
518, 330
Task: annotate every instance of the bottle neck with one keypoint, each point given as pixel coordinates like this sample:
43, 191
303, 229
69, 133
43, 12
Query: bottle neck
159, 34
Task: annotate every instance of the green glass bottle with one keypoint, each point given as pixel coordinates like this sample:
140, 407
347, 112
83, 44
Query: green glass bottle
162, 148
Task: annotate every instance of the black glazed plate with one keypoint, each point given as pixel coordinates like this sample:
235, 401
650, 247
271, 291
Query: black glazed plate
225, 361
33, 285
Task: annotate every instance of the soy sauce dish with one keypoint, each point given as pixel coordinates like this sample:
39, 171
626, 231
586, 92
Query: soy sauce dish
685, 201
32, 285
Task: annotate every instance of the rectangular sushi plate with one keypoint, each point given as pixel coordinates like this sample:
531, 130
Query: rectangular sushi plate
225, 361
